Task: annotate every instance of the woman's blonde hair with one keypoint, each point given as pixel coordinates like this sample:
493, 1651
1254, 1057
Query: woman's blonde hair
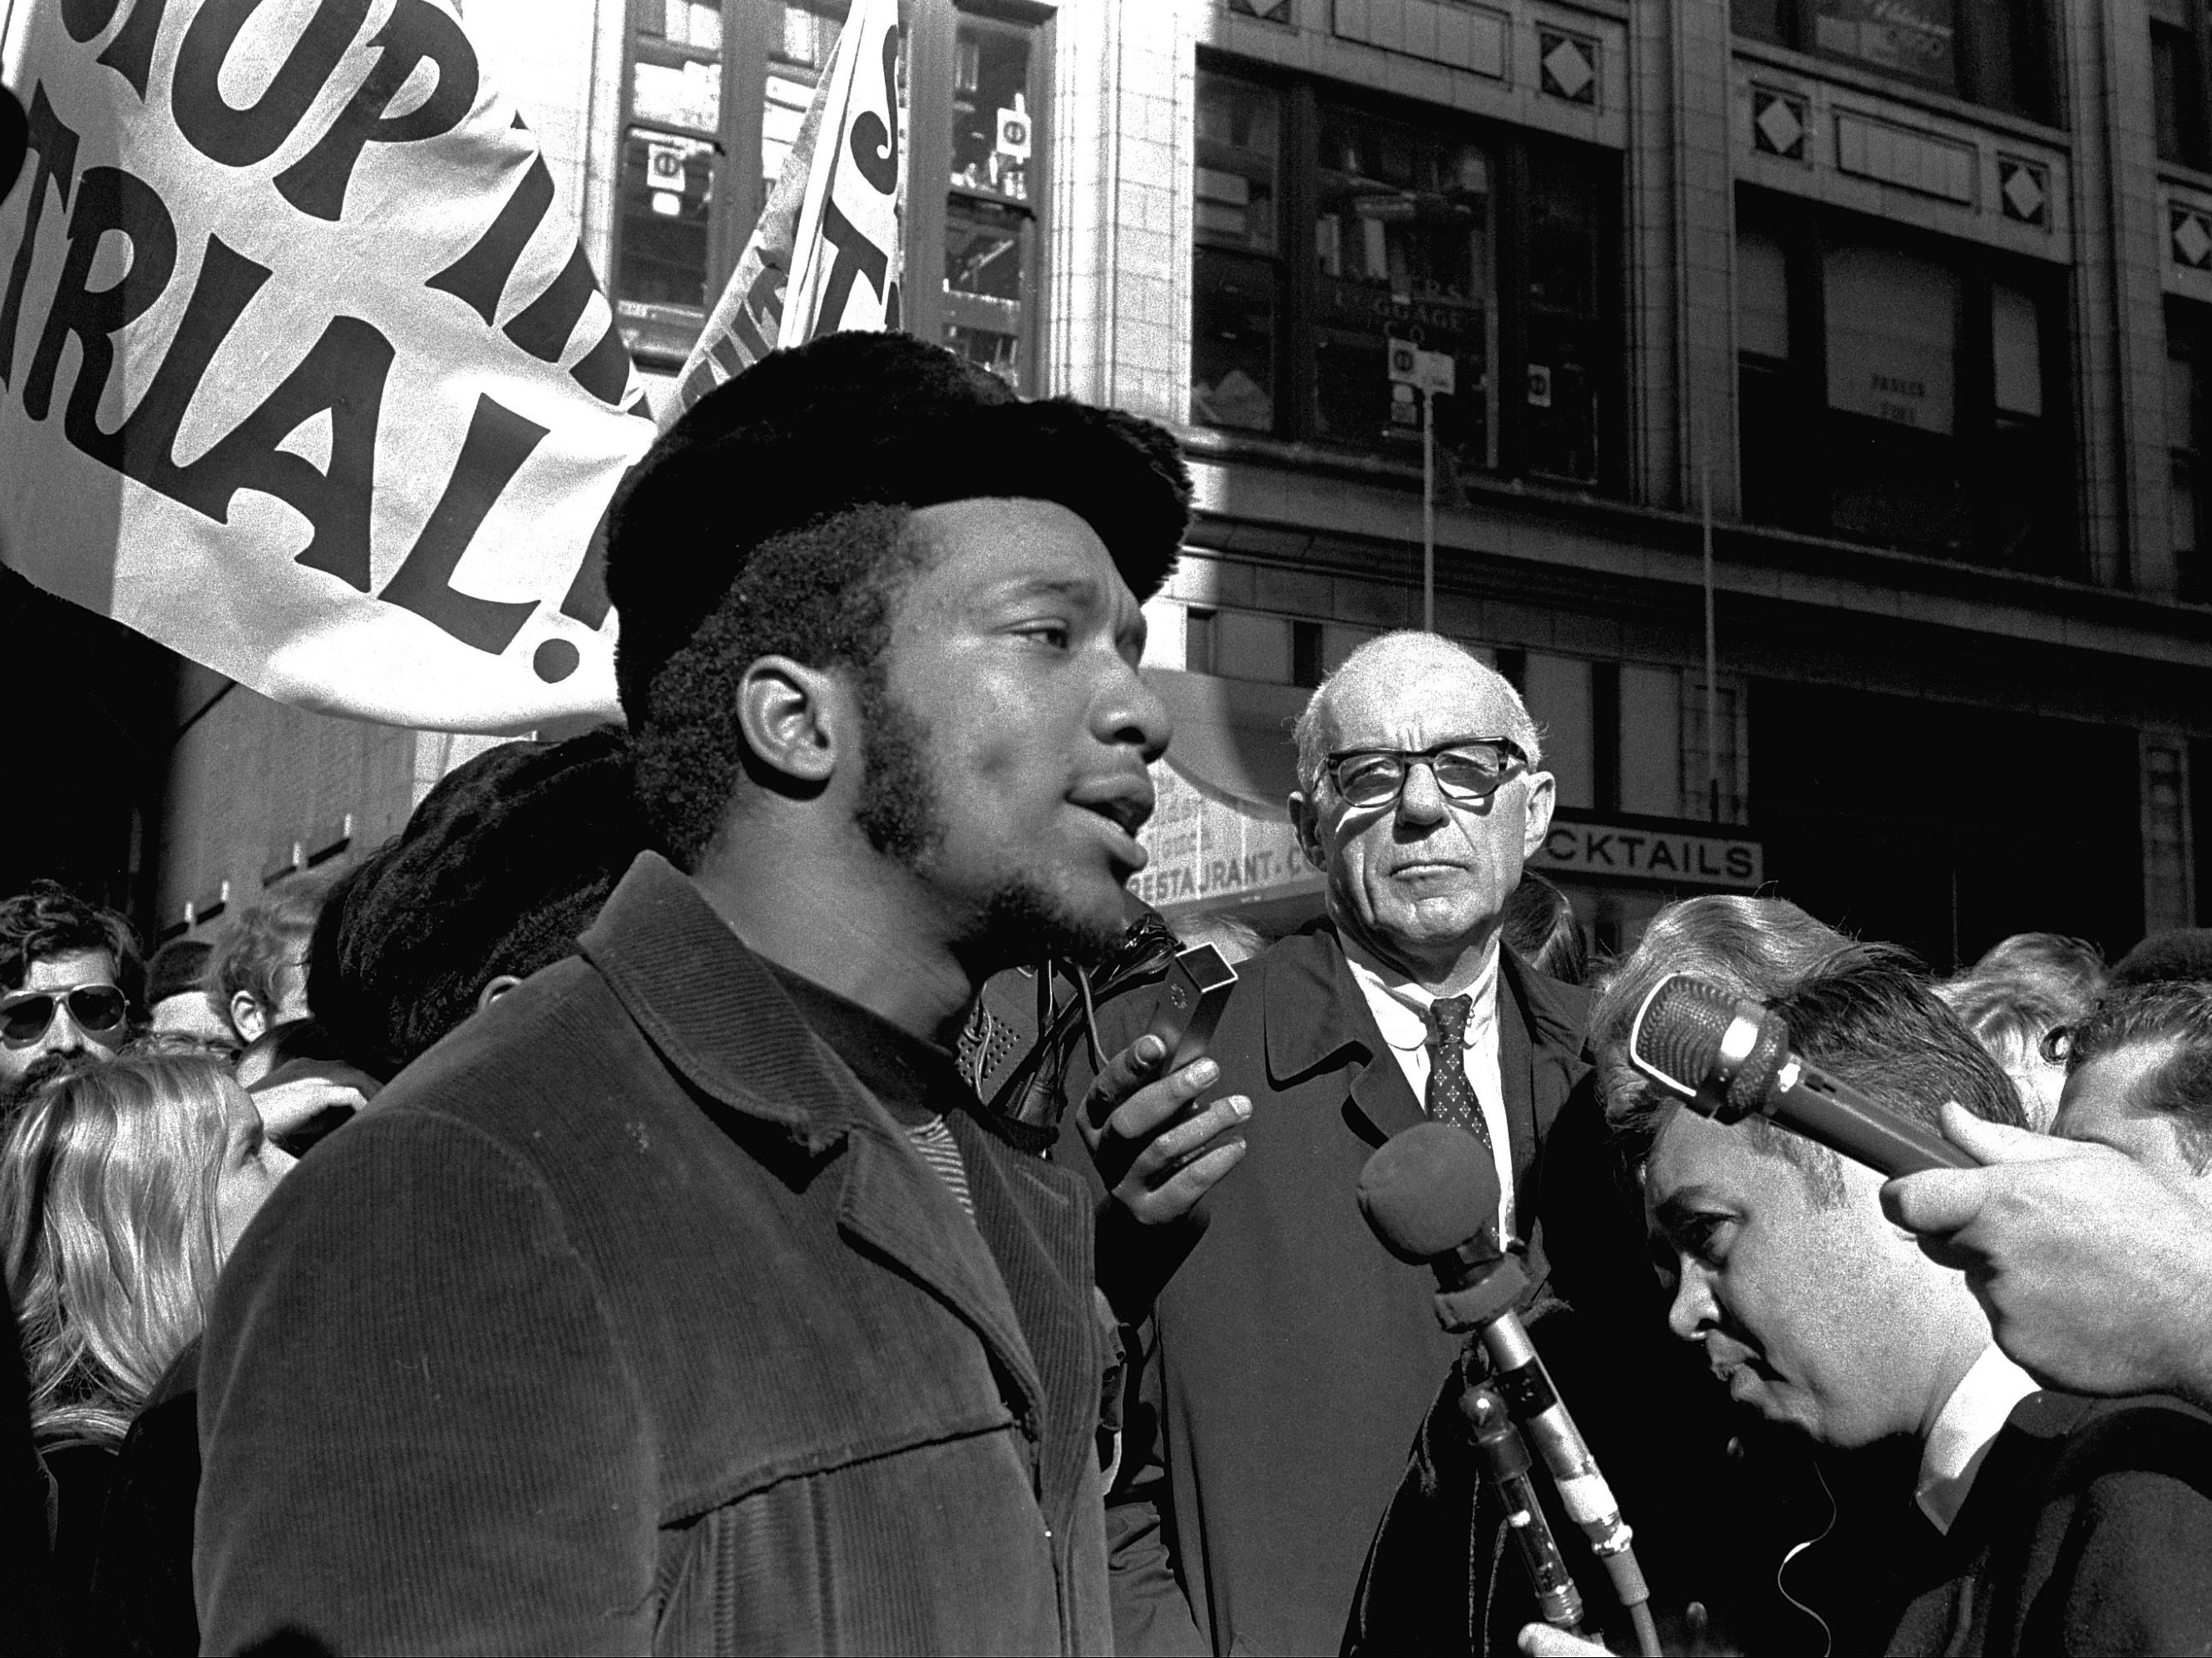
107, 1202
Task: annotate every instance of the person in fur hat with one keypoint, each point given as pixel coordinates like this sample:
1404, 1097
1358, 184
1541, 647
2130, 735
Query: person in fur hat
685, 1299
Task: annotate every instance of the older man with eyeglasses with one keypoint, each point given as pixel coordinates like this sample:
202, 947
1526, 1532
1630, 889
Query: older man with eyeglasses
1289, 1362
69, 979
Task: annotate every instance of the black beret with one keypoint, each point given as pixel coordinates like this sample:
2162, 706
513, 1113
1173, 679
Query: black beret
499, 869
853, 420
177, 967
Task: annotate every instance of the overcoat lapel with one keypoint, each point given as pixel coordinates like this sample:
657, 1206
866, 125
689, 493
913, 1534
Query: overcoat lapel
1315, 1015
1041, 1244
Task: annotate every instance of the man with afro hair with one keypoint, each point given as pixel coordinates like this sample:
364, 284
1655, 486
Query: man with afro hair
685, 1299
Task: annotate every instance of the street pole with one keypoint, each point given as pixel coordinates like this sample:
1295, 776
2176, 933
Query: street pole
1428, 510
1712, 657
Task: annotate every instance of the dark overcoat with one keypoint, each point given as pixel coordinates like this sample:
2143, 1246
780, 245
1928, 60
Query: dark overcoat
2089, 1529
626, 1320
1289, 1361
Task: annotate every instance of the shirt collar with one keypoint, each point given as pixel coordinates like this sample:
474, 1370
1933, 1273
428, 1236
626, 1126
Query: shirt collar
1971, 1420
1401, 1007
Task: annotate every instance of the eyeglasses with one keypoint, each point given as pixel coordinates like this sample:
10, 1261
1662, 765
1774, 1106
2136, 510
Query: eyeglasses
24, 1018
1465, 768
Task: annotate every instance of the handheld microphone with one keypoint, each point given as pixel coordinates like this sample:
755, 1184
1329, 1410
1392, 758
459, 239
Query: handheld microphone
1430, 1196
1728, 1058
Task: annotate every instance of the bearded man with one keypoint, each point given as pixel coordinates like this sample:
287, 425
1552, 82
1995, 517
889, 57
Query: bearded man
684, 1299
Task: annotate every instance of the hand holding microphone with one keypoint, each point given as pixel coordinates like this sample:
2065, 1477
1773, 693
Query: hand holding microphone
1729, 1059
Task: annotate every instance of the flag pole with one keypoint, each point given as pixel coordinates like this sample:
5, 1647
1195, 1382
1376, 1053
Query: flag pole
1712, 655
1428, 510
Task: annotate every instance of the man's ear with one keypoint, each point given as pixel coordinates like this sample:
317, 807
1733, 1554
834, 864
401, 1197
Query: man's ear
1543, 795
1305, 818
794, 718
247, 1016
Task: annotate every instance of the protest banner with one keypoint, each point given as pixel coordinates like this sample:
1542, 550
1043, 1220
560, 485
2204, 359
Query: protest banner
300, 375
831, 233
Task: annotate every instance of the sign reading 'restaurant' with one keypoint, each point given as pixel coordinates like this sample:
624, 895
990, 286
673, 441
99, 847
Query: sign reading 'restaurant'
1662, 855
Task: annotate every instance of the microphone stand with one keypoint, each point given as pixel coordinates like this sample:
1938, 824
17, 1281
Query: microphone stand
1479, 1288
1506, 1460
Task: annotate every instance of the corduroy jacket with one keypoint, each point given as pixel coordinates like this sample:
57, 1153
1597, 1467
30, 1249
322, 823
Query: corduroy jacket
626, 1320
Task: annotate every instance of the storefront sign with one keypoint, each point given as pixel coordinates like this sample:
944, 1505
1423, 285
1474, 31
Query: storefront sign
1669, 857
1210, 851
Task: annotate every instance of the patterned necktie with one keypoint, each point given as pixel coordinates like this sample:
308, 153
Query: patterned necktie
1451, 1096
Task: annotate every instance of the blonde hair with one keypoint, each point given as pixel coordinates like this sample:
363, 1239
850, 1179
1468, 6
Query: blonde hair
108, 1198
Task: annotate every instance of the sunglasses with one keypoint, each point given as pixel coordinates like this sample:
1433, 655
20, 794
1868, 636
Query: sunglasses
24, 1018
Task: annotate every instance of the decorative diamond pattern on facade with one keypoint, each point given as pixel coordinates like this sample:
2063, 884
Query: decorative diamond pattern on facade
2190, 230
1569, 65
1779, 124
2024, 191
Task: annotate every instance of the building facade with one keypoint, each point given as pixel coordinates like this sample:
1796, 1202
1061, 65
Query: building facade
1879, 332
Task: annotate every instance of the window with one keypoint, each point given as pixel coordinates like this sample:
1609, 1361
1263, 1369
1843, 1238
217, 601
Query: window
1907, 393
1326, 226
2178, 85
1989, 51
990, 214
2188, 383
671, 143
700, 85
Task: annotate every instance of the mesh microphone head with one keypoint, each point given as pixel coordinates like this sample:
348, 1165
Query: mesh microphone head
1428, 1190
1676, 1040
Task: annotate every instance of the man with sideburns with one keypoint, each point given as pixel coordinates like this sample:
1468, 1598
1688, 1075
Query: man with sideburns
684, 1299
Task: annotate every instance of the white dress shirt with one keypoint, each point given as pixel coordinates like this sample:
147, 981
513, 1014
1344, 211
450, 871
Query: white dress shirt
1401, 1014
1966, 1427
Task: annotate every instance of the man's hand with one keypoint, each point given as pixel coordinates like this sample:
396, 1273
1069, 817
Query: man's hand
2096, 1271
302, 1101
1156, 1168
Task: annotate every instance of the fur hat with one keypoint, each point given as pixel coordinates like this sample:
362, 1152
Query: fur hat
853, 420
503, 864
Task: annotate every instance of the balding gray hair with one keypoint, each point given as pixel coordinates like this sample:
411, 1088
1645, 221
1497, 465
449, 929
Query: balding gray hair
1407, 651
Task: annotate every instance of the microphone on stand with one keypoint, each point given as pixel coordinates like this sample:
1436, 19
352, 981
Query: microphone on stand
1430, 1194
1729, 1057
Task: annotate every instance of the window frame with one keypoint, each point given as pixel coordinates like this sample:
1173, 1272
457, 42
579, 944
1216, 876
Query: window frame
1297, 295
2189, 339
1808, 232
2193, 138
2030, 50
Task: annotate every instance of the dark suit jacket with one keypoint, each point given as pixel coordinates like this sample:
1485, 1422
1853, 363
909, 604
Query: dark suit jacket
2088, 1530
1289, 1360
625, 1320
142, 1575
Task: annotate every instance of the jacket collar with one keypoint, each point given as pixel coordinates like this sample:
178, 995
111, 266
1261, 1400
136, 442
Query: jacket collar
711, 1008
719, 1019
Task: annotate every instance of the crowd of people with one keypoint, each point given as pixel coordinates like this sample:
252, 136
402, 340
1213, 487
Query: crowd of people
714, 1185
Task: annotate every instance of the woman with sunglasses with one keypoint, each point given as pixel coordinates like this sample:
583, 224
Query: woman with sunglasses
123, 1185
